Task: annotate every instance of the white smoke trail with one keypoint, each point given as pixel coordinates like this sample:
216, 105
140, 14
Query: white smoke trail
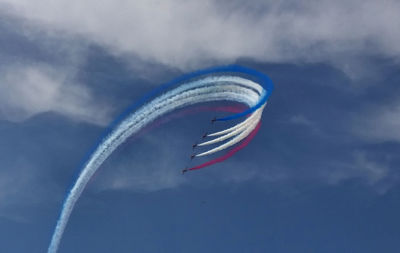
232, 128
237, 129
252, 124
207, 89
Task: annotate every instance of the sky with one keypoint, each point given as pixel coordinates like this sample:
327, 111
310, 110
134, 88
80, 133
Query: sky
320, 176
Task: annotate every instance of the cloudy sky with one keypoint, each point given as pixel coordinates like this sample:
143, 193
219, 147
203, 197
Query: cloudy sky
322, 175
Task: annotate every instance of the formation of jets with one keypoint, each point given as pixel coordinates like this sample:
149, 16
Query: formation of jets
196, 144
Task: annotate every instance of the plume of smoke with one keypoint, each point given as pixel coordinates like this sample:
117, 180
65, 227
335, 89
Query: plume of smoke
231, 88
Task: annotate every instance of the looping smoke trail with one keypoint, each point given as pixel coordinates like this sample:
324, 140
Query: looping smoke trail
194, 88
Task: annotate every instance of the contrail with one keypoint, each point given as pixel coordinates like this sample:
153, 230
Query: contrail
194, 88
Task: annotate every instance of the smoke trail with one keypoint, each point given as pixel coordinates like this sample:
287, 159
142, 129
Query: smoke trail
235, 140
239, 128
215, 88
231, 152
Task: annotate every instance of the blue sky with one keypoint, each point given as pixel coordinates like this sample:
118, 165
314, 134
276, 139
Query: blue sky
320, 176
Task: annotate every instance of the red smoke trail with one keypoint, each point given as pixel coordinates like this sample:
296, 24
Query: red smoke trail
231, 152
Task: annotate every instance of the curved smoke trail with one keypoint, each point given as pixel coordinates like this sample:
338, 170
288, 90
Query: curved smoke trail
252, 90
231, 152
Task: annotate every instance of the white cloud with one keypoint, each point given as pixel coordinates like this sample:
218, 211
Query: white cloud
375, 173
379, 123
360, 167
186, 34
29, 89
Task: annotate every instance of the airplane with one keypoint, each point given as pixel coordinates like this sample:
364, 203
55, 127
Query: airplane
192, 156
194, 145
184, 170
205, 135
213, 120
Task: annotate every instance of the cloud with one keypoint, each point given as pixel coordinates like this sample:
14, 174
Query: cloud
29, 89
360, 166
187, 34
375, 172
380, 123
